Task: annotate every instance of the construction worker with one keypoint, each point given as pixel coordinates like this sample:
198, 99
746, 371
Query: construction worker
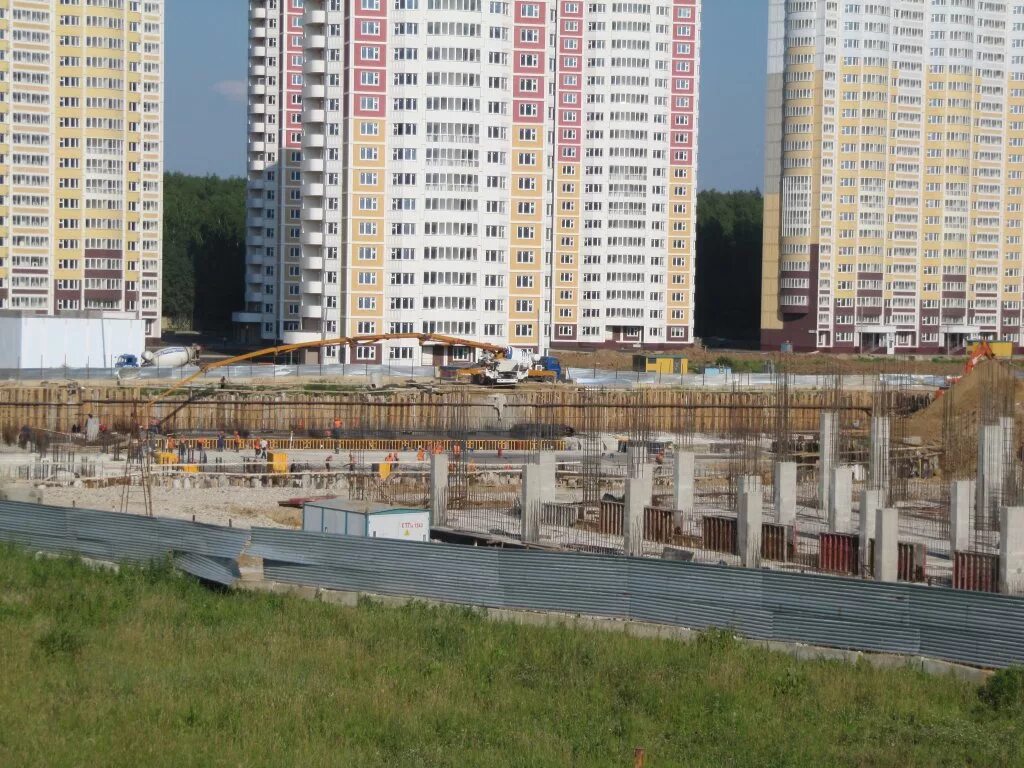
327, 462
420, 455
351, 462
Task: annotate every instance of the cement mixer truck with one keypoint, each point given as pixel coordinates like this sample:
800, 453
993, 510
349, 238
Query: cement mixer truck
171, 357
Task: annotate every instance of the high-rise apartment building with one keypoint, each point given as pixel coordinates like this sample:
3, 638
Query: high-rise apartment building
895, 174
81, 156
512, 171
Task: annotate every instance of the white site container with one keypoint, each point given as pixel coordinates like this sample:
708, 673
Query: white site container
366, 518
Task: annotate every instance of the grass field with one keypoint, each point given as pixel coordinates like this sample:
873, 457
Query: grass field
147, 668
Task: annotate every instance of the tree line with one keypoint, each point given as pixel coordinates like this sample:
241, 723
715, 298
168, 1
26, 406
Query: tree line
204, 251
729, 265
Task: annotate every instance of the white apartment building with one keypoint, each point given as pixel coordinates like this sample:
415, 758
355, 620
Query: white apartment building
517, 172
81, 157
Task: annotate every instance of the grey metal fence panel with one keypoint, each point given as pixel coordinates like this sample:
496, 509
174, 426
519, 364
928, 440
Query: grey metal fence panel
207, 551
844, 613
574, 583
407, 568
977, 628
712, 596
31, 525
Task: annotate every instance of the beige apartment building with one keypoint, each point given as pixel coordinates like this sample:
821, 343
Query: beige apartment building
81, 157
894, 175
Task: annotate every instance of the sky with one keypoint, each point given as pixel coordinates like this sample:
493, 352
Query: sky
206, 48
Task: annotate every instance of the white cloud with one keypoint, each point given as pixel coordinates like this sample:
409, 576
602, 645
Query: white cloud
232, 90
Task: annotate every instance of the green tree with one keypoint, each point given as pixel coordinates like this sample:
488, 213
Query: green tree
204, 250
729, 264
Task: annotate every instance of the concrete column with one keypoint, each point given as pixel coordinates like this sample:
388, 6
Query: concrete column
1011, 550
636, 458
748, 523
990, 476
887, 531
826, 426
961, 502
638, 497
784, 492
539, 486
683, 471
438, 489
840, 499
878, 456
870, 503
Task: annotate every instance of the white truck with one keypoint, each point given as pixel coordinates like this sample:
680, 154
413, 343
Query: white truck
171, 357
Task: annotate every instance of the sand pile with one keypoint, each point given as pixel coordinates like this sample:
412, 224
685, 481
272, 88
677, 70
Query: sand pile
967, 397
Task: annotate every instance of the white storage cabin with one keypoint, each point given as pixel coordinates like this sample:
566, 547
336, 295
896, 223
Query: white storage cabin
366, 518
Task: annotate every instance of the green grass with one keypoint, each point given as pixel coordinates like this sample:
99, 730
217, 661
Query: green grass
147, 668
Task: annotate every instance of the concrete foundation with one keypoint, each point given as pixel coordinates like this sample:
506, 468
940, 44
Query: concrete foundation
1011, 550
828, 424
638, 498
870, 502
878, 457
749, 520
887, 531
539, 486
784, 492
989, 489
961, 504
438, 489
840, 500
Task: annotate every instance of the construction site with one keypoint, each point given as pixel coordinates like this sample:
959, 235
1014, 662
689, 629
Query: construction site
882, 478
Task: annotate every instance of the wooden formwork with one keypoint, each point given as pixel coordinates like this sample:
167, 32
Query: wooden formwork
57, 407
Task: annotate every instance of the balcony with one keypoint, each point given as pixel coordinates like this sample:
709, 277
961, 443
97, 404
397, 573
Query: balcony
299, 337
315, 42
257, 127
257, 52
314, 67
258, 12
246, 317
312, 238
313, 165
257, 146
256, 221
257, 70
313, 214
312, 311
255, 201
256, 296
258, 32
312, 190
313, 139
257, 166
315, 263
314, 287
257, 89
313, 91
313, 116
316, 17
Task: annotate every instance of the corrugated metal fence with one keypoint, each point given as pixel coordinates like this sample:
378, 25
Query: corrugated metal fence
965, 627
207, 551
